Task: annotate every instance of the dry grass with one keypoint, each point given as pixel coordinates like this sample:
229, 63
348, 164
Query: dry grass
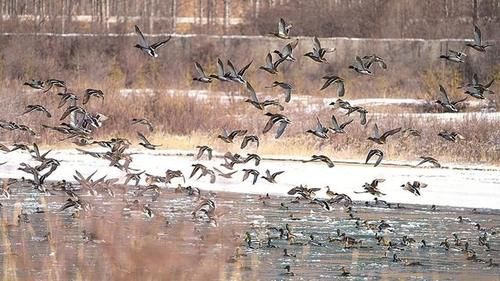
185, 122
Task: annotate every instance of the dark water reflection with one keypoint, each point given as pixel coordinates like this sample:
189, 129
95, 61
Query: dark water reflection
26, 253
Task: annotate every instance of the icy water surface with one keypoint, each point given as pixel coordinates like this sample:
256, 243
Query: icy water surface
117, 226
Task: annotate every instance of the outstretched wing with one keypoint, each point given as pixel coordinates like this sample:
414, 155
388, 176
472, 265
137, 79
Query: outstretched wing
142, 40
199, 69
160, 43
477, 35
443, 95
143, 138
281, 129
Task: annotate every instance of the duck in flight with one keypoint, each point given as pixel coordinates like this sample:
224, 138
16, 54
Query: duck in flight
381, 139
145, 142
283, 30
478, 44
144, 45
444, 101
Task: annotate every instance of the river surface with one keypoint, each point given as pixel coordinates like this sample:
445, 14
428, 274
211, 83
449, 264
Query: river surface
116, 240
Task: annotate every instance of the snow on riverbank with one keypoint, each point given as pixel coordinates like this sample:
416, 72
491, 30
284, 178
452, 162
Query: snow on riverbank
451, 187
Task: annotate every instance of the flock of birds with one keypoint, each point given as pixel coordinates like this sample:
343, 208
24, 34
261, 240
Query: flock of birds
82, 124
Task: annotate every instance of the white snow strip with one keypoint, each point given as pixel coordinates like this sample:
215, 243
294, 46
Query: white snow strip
450, 187
188, 35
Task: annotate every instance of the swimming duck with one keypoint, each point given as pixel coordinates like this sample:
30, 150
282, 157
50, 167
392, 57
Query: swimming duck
145, 47
286, 254
288, 272
345, 272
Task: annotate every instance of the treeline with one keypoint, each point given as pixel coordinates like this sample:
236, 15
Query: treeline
323, 18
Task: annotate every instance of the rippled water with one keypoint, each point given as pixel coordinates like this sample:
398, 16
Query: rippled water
25, 253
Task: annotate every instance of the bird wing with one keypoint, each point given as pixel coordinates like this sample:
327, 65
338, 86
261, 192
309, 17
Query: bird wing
335, 123
327, 83
269, 61
281, 27
232, 70
253, 95
200, 152
143, 138
68, 112
317, 44
376, 132
220, 68
160, 43
142, 40
245, 141
274, 175
443, 95
281, 129
474, 79
288, 91
199, 69
343, 125
489, 84
360, 63
391, 132
340, 89
477, 35
242, 71
268, 126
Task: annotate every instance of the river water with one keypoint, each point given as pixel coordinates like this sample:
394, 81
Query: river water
116, 240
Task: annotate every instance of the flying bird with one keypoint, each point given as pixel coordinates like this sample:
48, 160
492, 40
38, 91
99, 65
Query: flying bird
144, 45
375, 152
478, 44
283, 30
